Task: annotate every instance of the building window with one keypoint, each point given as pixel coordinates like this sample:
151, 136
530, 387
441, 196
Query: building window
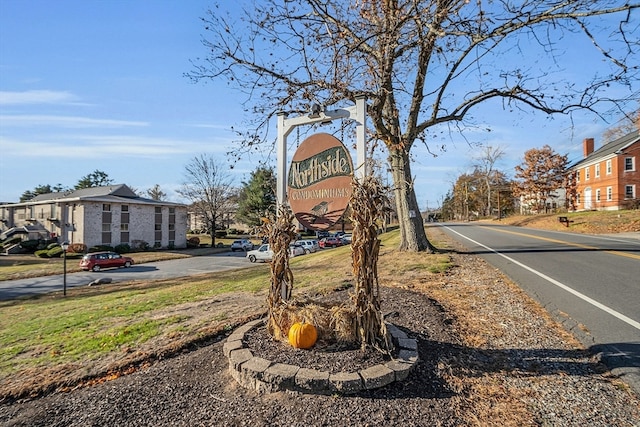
598, 195
125, 208
106, 207
578, 199
586, 173
124, 227
609, 167
577, 176
629, 192
609, 194
598, 170
629, 165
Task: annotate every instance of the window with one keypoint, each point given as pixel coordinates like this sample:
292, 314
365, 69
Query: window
106, 207
609, 194
586, 173
577, 176
124, 227
125, 208
598, 170
629, 164
578, 199
106, 228
608, 167
598, 195
629, 191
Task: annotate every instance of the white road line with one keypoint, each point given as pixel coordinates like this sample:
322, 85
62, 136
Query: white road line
583, 297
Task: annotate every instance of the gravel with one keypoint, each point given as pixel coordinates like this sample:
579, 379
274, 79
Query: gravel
522, 372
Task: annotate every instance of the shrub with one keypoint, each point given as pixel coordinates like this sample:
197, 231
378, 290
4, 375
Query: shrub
30, 245
122, 248
78, 248
55, 252
42, 253
139, 246
100, 248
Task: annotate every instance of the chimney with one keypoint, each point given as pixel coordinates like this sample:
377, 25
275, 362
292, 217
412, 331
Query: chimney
587, 146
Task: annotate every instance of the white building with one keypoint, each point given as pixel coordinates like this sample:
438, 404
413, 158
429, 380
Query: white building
109, 215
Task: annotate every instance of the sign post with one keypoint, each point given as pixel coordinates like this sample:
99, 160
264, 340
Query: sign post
286, 125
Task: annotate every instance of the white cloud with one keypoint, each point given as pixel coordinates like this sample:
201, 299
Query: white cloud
64, 121
36, 97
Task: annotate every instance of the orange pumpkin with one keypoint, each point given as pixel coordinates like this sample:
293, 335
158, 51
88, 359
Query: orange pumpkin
302, 335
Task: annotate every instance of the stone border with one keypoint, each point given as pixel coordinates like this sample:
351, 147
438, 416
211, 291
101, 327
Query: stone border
264, 375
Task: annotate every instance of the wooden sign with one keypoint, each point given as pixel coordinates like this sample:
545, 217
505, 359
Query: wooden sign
319, 181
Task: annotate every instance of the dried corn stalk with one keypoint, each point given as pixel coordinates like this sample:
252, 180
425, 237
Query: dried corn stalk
368, 204
280, 234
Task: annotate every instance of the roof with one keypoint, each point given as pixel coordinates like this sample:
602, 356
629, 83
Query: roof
117, 193
614, 147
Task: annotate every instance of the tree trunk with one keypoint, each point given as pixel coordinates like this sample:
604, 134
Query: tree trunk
412, 234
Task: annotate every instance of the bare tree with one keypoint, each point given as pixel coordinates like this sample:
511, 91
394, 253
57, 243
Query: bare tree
628, 124
485, 163
424, 65
208, 186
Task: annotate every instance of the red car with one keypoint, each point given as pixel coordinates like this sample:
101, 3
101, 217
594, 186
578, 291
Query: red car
330, 242
98, 260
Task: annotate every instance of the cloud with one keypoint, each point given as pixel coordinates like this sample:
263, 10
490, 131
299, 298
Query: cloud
111, 146
64, 121
36, 97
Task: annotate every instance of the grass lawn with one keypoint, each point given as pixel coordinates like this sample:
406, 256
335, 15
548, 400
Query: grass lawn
100, 329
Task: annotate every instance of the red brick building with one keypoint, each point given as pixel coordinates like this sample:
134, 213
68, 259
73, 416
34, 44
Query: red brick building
609, 178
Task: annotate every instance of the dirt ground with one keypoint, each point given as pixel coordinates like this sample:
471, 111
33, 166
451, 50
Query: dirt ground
489, 355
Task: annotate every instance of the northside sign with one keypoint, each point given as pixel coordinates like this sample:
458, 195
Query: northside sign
319, 181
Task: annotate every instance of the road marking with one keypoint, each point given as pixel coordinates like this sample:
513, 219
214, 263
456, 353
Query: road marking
577, 245
572, 291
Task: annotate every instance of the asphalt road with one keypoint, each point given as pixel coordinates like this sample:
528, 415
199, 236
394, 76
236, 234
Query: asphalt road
590, 283
12, 289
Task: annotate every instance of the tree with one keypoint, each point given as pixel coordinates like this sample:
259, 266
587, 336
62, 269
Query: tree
485, 164
628, 124
96, 178
40, 189
155, 193
424, 65
257, 198
209, 187
542, 172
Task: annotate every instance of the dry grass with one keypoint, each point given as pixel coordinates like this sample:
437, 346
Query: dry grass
590, 222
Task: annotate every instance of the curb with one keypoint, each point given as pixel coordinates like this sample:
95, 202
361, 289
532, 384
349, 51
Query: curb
266, 376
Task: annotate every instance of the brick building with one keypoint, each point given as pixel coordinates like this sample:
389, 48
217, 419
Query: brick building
609, 178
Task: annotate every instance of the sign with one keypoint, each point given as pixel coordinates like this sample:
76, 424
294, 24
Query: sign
319, 181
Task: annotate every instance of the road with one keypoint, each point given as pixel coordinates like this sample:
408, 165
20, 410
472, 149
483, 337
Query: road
11, 289
591, 283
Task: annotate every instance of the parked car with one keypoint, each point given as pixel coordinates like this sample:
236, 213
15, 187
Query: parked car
346, 239
241, 245
310, 246
96, 261
264, 253
330, 242
296, 250
322, 234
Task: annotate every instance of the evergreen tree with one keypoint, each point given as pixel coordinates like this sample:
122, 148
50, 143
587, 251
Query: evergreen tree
96, 178
257, 197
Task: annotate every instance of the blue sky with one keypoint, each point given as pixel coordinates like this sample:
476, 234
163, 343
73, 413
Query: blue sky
88, 85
